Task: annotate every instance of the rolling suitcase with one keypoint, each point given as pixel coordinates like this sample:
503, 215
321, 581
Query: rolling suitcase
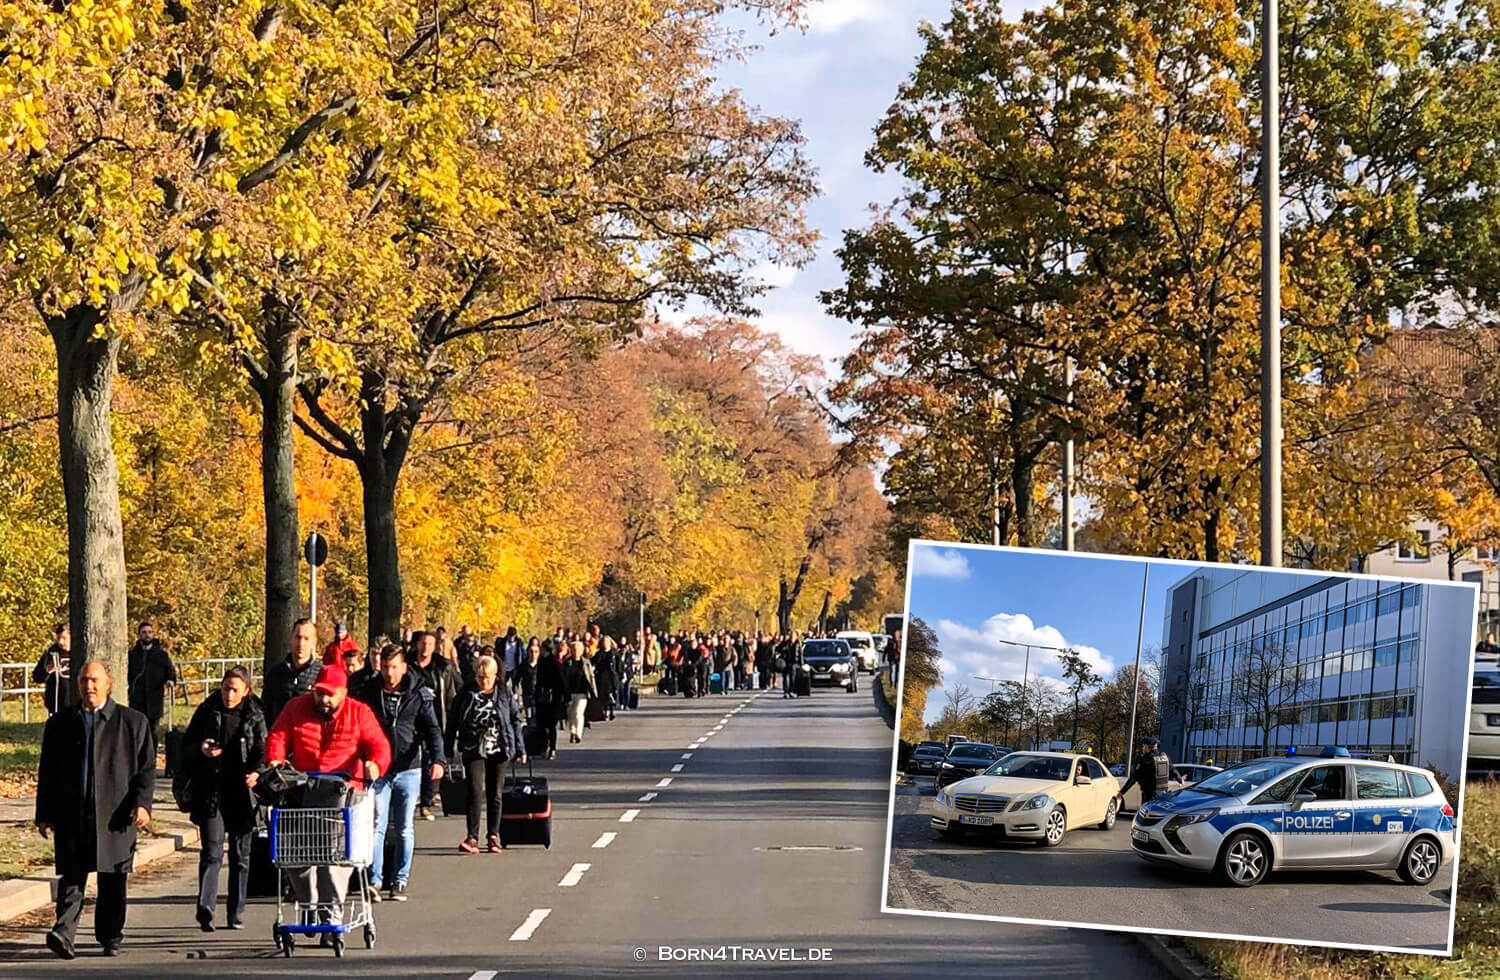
716, 683
803, 685
594, 710
667, 685
633, 698
454, 790
525, 809
172, 743
262, 880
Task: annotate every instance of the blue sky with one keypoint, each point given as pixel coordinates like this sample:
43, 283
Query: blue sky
838, 78
974, 597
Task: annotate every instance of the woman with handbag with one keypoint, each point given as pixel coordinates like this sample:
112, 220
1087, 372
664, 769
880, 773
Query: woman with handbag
225, 743
484, 731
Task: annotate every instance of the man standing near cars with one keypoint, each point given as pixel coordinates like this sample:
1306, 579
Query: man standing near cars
294, 676
148, 672
405, 708
1152, 772
52, 671
94, 784
439, 674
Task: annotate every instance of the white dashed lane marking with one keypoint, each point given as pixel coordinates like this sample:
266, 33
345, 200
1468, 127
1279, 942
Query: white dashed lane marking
574, 876
647, 798
687, 755
664, 783
630, 815
677, 768
605, 839
524, 931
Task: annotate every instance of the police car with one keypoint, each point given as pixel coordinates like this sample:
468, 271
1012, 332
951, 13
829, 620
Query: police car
1327, 811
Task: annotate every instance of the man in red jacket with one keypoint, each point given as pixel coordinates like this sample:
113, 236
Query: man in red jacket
342, 643
328, 731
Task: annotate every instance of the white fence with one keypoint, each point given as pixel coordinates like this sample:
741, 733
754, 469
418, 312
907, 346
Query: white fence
21, 697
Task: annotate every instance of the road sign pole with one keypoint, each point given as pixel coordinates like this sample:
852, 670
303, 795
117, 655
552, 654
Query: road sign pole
1135, 680
1270, 291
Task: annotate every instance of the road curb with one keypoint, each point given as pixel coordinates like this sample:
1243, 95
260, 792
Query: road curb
19, 896
1174, 956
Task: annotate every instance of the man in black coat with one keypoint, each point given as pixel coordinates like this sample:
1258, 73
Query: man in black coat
1152, 772
434, 670
148, 672
94, 785
52, 671
407, 711
295, 675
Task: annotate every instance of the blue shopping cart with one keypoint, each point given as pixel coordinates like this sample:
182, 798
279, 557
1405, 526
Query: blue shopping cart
324, 852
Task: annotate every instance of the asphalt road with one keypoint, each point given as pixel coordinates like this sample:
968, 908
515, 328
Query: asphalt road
1094, 877
770, 837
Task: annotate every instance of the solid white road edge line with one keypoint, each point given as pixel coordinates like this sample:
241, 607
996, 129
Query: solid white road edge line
524, 931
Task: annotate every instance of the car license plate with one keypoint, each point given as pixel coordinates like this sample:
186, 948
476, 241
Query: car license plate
1492, 720
978, 821
1139, 835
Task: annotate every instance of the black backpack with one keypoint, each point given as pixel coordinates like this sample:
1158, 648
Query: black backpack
1163, 770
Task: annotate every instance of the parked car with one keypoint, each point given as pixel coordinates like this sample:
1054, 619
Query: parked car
863, 645
1031, 796
925, 760
967, 759
1329, 811
1484, 719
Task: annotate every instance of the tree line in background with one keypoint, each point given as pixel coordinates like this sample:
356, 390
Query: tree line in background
1081, 192
389, 274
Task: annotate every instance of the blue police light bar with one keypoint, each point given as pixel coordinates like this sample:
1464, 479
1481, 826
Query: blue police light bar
1334, 752
1291, 750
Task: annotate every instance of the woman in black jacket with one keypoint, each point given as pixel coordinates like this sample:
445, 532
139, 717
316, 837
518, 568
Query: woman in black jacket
224, 743
606, 677
484, 730
543, 692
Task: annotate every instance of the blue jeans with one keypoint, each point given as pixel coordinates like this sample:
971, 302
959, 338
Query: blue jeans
395, 792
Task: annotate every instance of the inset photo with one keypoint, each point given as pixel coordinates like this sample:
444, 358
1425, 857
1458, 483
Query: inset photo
1151, 745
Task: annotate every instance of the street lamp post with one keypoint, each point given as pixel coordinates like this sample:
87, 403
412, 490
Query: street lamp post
1270, 292
1135, 679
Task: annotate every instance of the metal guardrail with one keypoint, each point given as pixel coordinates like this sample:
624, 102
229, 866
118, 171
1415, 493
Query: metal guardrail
199, 676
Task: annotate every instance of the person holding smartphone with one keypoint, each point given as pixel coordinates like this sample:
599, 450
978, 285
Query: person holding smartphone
224, 744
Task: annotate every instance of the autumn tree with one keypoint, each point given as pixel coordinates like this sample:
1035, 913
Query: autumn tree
611, 176
920, 673
1080, 677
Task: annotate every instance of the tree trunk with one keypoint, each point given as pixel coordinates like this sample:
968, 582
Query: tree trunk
1021, 485
790, 594
382, 559
86, 369
279, 489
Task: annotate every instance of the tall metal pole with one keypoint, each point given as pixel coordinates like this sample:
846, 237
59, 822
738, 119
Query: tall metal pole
1135, 680
1270, 291
995, 489
1067, 463
1025, 694
312, 591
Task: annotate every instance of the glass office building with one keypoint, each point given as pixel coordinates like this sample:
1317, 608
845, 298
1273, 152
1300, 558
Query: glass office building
1378, 667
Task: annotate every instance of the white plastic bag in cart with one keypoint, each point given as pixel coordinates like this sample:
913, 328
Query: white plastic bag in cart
362, 828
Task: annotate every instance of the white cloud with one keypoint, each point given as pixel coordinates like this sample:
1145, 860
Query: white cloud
993, 650
947, 666
830, 16
933, 563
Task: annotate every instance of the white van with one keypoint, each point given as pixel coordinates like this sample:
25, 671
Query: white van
863, 645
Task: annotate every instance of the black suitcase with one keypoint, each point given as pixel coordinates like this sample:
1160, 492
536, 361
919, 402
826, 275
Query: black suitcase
262, 881
594, 710
667, 685
633, 698
454, 790
172, 742
525, 810
803, 686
